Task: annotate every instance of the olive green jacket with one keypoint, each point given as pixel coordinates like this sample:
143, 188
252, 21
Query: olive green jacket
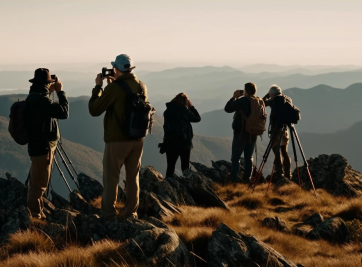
113, 100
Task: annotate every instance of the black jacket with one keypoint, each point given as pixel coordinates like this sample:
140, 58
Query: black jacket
236, 105
177, 126
42, 115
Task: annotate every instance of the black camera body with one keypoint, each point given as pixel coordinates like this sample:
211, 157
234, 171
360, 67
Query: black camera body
107, 72
54, 77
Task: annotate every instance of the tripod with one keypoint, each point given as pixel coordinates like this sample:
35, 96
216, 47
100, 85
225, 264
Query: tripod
293, 134
60, 150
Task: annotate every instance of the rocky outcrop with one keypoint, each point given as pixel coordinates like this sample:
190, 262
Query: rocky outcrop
19, 219
276, 223
89, 188
314, 219
228, 248
332, 173
333, 230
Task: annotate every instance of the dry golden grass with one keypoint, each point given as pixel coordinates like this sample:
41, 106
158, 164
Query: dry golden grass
105, 253
247, 209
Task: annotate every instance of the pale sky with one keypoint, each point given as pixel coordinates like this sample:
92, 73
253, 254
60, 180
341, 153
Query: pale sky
229, 32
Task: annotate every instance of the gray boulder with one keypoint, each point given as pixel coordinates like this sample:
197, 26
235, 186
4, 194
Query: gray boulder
89, 188
333, 230
200, 190
276, 223
168, 189
58, 201
80, 204
19, 219
214, 174
156, 246
314, 219
156, 206
227, 248
332, 173
12, 193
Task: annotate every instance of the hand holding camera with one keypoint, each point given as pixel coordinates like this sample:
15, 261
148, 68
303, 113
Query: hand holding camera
57, 85
238, 93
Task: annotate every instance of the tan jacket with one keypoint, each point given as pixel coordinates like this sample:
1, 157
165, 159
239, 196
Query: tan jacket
112, 100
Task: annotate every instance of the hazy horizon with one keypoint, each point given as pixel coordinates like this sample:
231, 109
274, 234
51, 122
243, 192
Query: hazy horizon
185, 33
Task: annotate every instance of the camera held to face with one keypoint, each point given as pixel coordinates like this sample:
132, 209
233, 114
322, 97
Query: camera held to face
107, 72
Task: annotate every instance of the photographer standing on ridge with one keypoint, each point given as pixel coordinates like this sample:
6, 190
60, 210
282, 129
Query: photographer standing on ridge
43, 134
243, 103
281, 169
120, 148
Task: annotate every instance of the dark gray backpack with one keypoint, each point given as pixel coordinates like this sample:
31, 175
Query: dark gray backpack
138, 120
17, 124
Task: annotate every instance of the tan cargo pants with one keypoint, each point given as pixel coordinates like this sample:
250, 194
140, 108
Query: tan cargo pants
117, 154
40, 170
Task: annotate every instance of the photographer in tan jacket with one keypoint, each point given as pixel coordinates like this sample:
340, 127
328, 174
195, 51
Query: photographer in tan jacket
119, 148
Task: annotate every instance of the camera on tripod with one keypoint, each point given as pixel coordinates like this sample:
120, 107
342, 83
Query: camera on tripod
107, 72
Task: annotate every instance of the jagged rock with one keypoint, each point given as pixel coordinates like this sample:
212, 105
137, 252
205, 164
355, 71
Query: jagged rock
200, 190
12, 193
276, 223
214, 174
80, 204
332, 173
168, 189
152, 205
89, 188
227, 248
314, 219
333, 230
301, 229
183, 194
148, 177
156, 246
89, 228
58, 201
19, 219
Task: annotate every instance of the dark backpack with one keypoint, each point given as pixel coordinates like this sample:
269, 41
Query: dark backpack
138, 119
177, 127
285, 111
17, 124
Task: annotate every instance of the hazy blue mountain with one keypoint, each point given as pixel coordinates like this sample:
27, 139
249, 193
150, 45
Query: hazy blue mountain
208, 87
347, 142
324, 110
15, 160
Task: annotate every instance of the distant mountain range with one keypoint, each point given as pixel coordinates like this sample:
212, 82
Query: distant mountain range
209, 87
324, 110
15, 160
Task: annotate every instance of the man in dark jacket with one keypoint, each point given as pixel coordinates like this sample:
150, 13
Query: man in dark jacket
242, 141
43, 132
282, 159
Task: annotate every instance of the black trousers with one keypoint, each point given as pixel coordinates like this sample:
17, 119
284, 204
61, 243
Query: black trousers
172, 156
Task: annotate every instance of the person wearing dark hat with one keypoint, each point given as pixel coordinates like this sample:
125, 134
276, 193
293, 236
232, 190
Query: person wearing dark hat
119, 148
43, 133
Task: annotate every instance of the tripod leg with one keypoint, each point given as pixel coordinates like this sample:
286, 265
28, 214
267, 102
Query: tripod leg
294, 151
305, 160
278, 148
70, 162
62, 174
67, 167
265, 158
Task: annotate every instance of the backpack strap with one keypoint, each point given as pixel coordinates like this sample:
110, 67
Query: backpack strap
124, 85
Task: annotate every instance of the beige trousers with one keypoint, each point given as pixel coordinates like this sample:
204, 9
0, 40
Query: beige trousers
117, 154
40, 170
